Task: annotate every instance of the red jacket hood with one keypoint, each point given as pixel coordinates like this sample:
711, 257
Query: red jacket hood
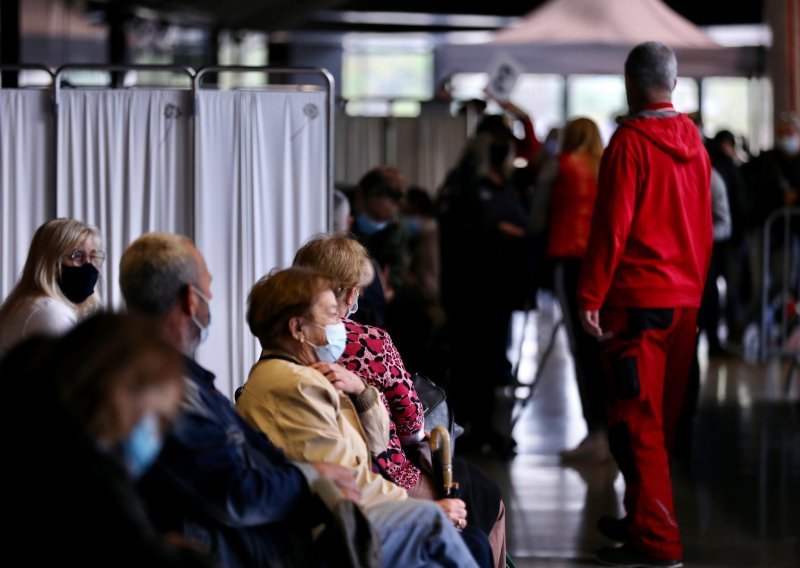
673, 133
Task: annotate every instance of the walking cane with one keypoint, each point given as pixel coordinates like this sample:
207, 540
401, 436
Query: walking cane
440, 434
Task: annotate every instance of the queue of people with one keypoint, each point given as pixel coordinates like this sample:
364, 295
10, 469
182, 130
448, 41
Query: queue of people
320, 461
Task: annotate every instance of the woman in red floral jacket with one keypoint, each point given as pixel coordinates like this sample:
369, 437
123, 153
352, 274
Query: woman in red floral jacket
371, 354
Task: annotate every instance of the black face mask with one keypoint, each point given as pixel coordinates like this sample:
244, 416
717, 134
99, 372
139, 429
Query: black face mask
77, 282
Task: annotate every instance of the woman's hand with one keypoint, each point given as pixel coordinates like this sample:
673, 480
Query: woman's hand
456, 511
341, 378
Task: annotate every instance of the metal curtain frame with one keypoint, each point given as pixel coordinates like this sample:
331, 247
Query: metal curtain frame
314, 71
766, 349
59, 75
27, 67
177, 69
50, 198
521, 402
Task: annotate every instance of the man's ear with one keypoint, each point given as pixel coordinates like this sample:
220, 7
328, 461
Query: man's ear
185, 299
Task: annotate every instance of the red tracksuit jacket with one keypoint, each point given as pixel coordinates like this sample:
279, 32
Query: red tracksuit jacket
650, 242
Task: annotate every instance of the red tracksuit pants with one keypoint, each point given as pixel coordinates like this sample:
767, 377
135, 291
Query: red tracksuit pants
647, 361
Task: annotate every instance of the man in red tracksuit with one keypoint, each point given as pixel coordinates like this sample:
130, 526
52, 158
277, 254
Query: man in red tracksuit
640, 286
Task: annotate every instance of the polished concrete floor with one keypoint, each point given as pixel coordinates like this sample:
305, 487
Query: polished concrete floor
737, 498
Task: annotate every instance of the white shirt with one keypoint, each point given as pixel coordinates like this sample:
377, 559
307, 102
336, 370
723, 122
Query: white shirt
40, 315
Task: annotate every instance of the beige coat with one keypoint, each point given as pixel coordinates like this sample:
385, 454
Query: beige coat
311, 421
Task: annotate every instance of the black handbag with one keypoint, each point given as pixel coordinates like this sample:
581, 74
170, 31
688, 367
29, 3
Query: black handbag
436, 408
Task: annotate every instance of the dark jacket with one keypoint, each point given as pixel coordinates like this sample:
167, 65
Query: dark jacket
74, 504
222, 483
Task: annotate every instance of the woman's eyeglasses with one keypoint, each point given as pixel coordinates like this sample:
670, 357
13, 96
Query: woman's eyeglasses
80, 258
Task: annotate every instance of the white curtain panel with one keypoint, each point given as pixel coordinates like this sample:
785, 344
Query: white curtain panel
360, 145
124, 164
428, 146
26, 176
260, 193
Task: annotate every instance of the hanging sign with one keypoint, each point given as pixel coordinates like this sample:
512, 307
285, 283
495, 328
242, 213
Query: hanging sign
503, 73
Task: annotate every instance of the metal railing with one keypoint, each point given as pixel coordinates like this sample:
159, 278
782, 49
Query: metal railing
780, 285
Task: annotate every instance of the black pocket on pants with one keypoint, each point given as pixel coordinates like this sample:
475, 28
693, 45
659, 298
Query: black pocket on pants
641, 319
626, 378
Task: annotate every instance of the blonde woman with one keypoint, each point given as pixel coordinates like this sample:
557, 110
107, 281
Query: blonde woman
569, 222
57, 286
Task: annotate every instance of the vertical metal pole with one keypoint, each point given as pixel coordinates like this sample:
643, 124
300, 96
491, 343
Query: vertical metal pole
193, 117
117, 45
700, 104
330, 86
763, 348
10, 39
784, 297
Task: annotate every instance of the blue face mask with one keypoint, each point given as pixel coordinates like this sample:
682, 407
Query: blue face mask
551, 147
412, 226
143, 445
789, 144
337, 339
370, 226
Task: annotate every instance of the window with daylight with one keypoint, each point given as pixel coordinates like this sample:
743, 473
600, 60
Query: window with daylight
386, 75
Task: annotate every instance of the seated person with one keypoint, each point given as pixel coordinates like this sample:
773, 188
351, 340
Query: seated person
57, 286
317, 410
370, 353
218, 480
380, 192
104, 395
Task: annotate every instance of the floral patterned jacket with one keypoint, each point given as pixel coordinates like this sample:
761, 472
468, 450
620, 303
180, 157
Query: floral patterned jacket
371, 354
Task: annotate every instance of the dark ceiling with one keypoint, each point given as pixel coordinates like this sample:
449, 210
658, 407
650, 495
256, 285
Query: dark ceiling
302, 14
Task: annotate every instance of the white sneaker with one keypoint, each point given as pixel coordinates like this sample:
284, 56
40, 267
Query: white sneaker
593, 448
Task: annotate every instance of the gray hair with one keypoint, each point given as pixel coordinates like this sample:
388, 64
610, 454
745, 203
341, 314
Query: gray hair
153, 271
652, 65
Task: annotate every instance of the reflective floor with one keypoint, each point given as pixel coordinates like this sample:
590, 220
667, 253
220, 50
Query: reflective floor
737, 498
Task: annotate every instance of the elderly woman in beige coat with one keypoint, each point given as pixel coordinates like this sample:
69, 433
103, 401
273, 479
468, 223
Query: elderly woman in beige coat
315, 409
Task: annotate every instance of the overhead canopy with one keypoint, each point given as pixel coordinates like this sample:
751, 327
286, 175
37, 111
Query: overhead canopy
594, 37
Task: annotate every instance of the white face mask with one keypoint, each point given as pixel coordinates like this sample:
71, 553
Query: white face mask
336, 336
354, 308
204, 329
